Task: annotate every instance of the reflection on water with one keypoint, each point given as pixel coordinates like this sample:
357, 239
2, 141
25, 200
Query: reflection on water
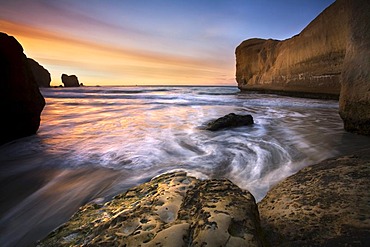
96, 142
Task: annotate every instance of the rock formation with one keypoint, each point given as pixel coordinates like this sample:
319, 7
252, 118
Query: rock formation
171, 210
21, 102
322, 205
309, 63
41, 75
355, 94
70, 80
228, 121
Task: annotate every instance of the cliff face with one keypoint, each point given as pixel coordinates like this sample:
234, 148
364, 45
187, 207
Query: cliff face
355, 94
41, 75
21, 102
310, 62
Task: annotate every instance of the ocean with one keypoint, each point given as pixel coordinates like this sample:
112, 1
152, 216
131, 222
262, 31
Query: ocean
95, 142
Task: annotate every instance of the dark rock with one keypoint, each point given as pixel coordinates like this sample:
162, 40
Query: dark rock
70, 80
322, 205
171, 210
354, 101
229, 121
21, 102
41, 75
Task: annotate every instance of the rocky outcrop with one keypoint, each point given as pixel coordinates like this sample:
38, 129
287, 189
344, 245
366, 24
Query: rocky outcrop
41, 75
171, 210
70, 80
21, 102
322, 205
229, 121
308, 64
355, 94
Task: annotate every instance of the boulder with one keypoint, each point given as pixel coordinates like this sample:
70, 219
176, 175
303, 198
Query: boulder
41, 75
308, 64
354, 101
322, 205
70, 80
171, 210
229, 121
21, 102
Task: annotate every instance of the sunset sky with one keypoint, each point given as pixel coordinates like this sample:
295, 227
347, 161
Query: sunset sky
148, 42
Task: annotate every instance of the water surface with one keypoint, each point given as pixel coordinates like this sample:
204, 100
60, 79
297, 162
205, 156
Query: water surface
95, 142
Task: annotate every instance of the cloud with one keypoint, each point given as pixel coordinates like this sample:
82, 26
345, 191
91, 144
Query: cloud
63, 54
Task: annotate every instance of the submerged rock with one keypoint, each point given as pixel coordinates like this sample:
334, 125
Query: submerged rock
171, 210
322, 205
41, 75
70, 80
21, 102
230, 120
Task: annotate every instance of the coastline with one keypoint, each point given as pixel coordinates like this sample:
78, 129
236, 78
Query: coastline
291, 92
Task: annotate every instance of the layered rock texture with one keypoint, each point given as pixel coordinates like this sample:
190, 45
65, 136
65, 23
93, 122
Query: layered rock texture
171, 210
309, 63
322, 205
355, 95
70, 80
21, 102
41, 75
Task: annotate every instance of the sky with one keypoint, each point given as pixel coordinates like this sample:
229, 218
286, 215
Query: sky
148, 42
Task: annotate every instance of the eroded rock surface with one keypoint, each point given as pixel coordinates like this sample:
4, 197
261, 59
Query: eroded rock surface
21, 102
41, 75
70, 80
171, 210
229, 121
322, 205
355, 94
307, 64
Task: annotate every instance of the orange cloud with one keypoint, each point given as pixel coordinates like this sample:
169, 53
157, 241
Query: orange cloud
98, 63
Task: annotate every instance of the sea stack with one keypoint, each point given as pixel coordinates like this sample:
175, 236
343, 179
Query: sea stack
355, 94
308, 64
70, 80
41, 75
21, 102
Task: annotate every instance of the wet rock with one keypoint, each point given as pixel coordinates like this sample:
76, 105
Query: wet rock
70, 80
308, 64
41, 75
229, 121
21, 102
171, 210
322, 205
355, 94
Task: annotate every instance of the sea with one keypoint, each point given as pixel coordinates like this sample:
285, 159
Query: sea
96, 142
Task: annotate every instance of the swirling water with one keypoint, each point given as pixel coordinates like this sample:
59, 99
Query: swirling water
95, 142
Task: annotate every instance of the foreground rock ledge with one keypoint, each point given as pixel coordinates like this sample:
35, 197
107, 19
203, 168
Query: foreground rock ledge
171, 210
322, 205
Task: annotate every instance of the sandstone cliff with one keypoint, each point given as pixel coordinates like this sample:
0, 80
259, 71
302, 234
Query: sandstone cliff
21, 102
308, 63
355, 94
41, 75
